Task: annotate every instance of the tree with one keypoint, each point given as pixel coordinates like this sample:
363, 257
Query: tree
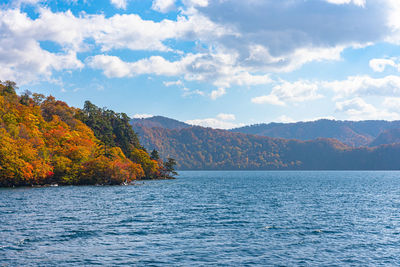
38, 98
43, 141
25, 98
113, 129
154, 155
9, 87
150, 167
169, 167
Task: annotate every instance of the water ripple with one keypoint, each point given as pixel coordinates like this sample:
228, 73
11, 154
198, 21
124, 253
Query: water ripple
208, 218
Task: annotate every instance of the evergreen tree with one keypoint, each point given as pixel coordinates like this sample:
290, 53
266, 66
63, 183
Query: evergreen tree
169, 167
112, 128
154, 155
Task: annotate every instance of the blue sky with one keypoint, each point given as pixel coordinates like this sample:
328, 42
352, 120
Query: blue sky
218, 63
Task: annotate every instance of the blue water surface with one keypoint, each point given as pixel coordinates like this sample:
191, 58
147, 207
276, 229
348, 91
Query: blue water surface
208, 218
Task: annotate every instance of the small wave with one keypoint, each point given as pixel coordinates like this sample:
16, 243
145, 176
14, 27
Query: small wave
77, 234
138, 232
137, 220
317, 231
271, 227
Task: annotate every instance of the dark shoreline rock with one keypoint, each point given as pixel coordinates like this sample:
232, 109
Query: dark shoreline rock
62, 185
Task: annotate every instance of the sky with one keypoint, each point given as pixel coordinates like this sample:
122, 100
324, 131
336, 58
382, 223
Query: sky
215, 63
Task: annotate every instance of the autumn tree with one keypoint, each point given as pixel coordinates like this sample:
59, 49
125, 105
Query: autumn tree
43, 140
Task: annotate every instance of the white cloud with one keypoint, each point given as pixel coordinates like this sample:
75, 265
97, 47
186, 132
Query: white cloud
222, 121
394, 21
358, 109
283, 35
380, 64
353, 86
113, 66
240, 47
27, 61
268, 99
142, 116
134, 33
119, 3
72, 32
123, 31
163, 6
226, 117
301, 56
234, 48
364, 86
213, 123
172, 83
187, 92
241, 78
216, 68
131, 32
194, 3
392, 103
295, 92
21, 57
341, 2
217, 93
284, 119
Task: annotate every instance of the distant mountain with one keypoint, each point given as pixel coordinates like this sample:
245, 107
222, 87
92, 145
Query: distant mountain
161, 122
391, 136
352, 133
198, 148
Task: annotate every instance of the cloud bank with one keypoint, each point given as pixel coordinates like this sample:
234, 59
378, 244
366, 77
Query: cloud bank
231, 43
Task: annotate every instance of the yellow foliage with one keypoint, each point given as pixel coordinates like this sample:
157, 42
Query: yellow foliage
42, 142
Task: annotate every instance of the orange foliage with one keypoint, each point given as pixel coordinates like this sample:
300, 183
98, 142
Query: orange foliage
42, 142
150, 167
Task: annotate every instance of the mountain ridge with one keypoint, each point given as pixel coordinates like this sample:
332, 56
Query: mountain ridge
160, 121
351, 133
200, 148
387, 137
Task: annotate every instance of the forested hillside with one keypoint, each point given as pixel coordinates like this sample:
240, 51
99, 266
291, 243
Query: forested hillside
391, 136
43, 140
199, 148
352, 133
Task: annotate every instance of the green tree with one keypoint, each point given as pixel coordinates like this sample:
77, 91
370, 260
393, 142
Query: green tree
112, 128
9, 87
154, 155
169, 167
25, 98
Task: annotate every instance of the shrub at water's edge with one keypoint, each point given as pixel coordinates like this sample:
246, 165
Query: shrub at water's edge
43, 141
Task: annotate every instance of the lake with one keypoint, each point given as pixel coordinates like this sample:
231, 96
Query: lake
208, 218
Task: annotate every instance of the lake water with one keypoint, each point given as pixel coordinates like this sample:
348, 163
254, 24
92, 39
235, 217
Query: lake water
208, 218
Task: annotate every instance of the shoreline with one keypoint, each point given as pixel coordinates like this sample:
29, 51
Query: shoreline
65, 185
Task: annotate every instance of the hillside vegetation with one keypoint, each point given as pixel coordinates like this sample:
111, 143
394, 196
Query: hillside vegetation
198, 148
352, 133
43, 141
391, 136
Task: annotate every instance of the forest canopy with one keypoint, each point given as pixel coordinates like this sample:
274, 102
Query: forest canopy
44, 141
